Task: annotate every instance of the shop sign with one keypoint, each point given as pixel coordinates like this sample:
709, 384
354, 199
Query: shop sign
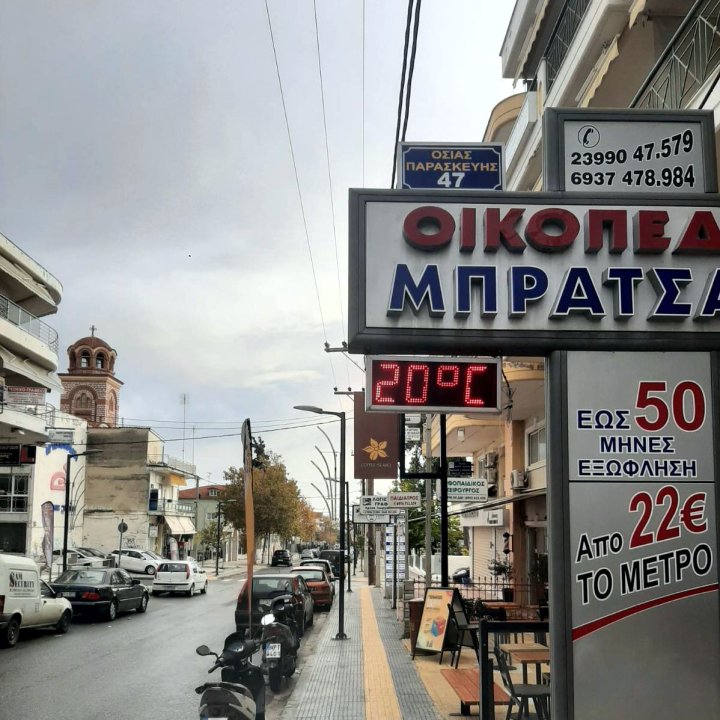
403, 499
532, 273
643, 533
467, 490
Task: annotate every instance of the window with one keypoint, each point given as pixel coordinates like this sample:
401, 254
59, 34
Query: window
535, 446
100, 361
213, 492
84, 359
14, 493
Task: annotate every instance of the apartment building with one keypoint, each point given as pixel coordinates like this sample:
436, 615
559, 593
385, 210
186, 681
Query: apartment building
28, 365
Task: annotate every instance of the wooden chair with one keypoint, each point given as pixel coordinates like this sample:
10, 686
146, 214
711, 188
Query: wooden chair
521, 693
459, 628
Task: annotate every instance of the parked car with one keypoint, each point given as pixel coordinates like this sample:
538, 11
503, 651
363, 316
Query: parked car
26, 601
281, 557
321, 562
461, 576
334, 557
77, 556
174, 576
135, 561
321, 587
94, 551
267, 587
104, 592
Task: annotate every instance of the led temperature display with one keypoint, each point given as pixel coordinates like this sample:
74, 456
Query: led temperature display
402, 384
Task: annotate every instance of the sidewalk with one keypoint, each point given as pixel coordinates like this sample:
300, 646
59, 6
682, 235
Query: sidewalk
371, 675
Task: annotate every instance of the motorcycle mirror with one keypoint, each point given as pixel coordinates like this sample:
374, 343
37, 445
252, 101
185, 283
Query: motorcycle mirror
204, 650
268, 619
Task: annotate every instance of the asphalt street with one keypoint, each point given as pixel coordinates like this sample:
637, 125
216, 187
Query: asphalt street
139, 666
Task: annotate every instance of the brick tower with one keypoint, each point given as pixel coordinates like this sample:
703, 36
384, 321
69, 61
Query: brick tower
90, 388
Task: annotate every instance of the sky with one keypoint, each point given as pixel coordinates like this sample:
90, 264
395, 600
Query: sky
148, 162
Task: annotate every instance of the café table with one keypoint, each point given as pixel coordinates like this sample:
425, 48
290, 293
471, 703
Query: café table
536, 657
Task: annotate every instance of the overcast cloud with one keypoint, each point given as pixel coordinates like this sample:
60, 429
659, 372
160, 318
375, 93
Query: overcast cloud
144, 161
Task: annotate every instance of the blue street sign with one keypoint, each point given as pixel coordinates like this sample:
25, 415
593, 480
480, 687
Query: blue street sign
450, 167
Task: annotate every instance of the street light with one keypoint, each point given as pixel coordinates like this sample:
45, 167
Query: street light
319, 411
217, 547
67, 500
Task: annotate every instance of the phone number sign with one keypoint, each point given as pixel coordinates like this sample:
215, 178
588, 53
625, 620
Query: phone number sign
450, 167
643, 538
621, 151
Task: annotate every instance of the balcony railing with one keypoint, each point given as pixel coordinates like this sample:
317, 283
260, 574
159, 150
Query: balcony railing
172, 507
172, 463
690, 58
29, 323
562, 37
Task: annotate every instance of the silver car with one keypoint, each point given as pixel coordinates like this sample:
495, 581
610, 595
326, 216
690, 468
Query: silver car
135, 561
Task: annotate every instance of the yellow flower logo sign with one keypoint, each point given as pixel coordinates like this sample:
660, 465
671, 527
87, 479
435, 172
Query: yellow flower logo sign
376, 449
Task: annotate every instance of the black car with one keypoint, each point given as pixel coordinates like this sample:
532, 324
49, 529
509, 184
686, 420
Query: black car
281, 557
334, 557
269, 586
104, 592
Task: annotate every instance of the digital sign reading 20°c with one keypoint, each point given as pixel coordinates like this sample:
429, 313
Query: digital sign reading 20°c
402, 383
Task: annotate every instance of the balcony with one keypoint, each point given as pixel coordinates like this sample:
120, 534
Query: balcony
171, 507
690, 58
523, 127
29, 323
562, 37
171, 464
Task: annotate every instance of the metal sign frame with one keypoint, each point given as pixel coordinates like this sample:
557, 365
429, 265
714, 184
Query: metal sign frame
554, 149
407, 336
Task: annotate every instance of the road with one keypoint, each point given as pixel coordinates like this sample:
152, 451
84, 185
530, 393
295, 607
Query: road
139, 666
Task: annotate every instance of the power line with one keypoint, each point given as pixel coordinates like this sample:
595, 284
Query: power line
408, 23
297, 184
412, 68
332, 200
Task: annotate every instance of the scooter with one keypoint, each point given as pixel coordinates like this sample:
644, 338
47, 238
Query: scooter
241, 694
279, 640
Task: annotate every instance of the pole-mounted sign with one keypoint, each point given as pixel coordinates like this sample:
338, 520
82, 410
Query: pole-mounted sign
449, 166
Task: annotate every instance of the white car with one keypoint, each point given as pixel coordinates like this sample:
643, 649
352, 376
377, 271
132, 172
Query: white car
175, 576
26, 601
135, 561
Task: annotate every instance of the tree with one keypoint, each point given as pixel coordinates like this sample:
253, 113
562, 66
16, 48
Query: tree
276, 497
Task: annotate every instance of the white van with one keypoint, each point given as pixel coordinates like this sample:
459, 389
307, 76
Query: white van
26, 601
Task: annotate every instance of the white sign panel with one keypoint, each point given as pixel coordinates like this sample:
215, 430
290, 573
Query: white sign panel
643, 539
403, 499
459, 269
620, 151
377, 504
371, 518
412, 434
467, 490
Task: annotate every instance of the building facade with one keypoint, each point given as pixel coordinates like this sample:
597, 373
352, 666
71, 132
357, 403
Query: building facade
28, 365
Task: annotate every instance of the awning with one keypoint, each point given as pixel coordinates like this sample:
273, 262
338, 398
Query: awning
180, 525
597, 74
497, 502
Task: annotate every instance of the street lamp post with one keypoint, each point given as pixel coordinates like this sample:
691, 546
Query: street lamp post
220, 504
67, 501
341, 610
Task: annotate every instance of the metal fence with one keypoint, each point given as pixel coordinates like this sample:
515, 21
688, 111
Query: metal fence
522, 598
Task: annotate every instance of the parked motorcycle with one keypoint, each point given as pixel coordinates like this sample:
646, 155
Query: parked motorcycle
280, 640
241, 693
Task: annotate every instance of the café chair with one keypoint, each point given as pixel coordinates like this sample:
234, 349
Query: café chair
459, 628
521, 693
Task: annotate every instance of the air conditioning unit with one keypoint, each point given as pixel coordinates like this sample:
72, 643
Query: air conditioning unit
491, 460
518, 479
